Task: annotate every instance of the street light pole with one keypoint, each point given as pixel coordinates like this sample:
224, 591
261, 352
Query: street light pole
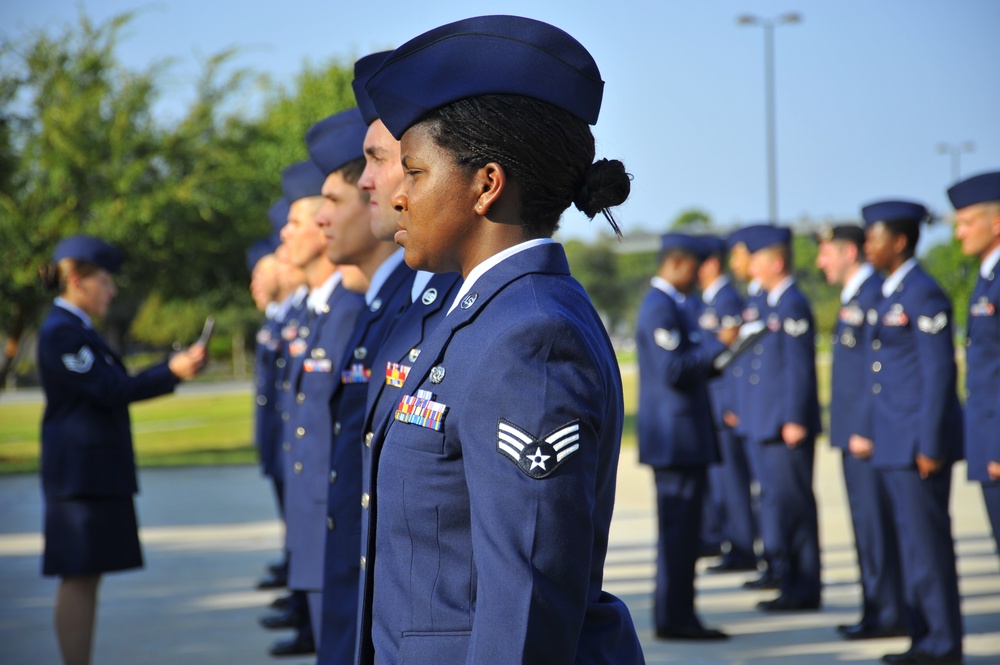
772, 158
956, 150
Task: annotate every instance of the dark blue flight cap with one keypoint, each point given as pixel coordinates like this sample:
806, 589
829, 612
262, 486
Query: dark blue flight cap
89, 249
906, 212
278, 214
693, 245
740, 235
300, 180
363, 70
481, 56
337, 140
981, 188
714, 246
761, 237
259, 250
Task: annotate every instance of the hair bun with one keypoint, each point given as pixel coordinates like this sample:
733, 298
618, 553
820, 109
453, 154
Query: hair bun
50, 276
605, 184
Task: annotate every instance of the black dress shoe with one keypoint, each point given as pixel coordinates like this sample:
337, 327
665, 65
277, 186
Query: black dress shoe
273, 581
732, 566
281, 603
691, 633
913, 657
765, 581
286, 619
786, 604
710, 549
297, 646
862, 631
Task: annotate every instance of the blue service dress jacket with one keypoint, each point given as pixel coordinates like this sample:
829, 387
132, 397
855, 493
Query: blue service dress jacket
851, 342
982, 381
86, 432
340, 566
313, 380
781, 372
496, 483
723, 310
675, 361
267, 417
397, 355
913, 405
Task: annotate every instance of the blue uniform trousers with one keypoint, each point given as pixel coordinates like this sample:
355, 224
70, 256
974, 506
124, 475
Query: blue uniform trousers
927, 553
788, 517
679, 495
991, 496
730, 482
876, 544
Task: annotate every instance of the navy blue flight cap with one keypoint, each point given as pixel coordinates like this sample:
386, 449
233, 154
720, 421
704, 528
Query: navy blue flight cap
89, 249
692, 245
714, 246
260, 249
740, 235
906, 212
761, 237
300, 180
363, 70
981, 188
278, 214
336, 141
481, 56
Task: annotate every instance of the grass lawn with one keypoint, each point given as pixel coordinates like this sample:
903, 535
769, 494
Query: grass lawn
167, 431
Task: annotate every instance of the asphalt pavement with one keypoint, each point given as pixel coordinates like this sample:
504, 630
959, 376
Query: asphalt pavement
208, 533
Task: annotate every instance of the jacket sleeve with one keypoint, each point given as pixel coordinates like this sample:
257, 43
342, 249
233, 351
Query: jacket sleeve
799, 362
672, 355
932, 332
70, 359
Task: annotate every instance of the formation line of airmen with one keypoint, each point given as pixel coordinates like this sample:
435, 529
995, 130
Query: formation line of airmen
894, 414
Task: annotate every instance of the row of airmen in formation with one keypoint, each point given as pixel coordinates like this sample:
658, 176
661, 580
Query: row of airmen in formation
710, 428
335, 354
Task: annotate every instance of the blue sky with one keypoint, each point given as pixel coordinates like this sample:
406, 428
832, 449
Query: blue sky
866, 89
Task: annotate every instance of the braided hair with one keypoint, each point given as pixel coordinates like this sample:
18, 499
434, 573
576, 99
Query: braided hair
546, 150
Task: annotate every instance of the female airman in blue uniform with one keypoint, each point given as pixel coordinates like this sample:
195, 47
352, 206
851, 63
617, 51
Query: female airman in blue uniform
496, 475
88, 466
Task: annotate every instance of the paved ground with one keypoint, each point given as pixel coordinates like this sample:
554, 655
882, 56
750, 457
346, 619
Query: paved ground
208, 532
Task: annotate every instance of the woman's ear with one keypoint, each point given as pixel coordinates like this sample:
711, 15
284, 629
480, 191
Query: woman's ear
490, 183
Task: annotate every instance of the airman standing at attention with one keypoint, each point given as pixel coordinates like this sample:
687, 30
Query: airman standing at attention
841, 259
915, 427
781, 414
676, 433
977, 227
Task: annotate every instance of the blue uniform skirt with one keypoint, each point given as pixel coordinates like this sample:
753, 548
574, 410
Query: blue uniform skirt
90, 536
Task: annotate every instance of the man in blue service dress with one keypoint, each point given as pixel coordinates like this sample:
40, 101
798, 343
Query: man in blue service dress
676, 433
841, 258
336, 145
915, 426
781, 410
720, 313
977, 227
430, 296
331, 310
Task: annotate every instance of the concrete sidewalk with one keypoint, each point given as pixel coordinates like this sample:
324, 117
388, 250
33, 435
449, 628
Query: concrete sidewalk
207, 533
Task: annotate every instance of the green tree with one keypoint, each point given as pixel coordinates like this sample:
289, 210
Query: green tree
691, 219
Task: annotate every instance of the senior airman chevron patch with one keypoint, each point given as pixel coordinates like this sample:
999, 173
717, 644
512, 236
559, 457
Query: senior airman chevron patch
538, 458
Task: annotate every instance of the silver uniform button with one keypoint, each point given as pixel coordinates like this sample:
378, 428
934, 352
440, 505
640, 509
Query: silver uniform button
876, 366
261, 400
368, 439
333, 476
300, 432
336, 428
330, 524
877, 344
286, 384
754, 379
297, 467
280, 362
364, 562
877, 388
737, 371
365, 500
301, 398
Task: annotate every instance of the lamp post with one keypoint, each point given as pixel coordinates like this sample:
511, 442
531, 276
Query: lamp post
772, 168
956, 150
